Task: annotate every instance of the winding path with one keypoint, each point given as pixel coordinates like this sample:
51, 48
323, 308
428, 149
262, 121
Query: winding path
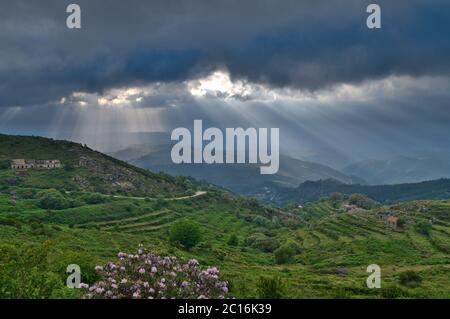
197, 193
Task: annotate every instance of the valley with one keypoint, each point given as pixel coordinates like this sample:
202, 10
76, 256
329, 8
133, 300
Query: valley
319, 249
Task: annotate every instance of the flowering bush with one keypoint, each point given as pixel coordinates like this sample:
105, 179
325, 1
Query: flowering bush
145, 275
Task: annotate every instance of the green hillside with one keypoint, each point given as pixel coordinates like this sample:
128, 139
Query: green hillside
318, 250
99, 173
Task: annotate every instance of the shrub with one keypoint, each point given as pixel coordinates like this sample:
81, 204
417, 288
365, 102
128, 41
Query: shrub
146, 276
159, 204
4, 164
185, 232
74, 203
233, 240
401, 222
424, 228
270, 288
262, 242
59, 263
93, 199
285, 253
52, 199
410, 279
24, 273
262, 221
69, 167
11, 222
362, 201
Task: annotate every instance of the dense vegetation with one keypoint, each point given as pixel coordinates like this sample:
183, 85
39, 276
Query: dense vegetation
316, 250
312, 191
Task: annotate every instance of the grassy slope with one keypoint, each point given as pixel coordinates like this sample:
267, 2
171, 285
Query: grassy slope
109, 176
329, 239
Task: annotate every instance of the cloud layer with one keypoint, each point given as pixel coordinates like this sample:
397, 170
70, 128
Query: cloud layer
338, 91
308, 45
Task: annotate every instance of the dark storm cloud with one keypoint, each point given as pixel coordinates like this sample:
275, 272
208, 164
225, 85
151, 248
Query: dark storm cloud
305, 44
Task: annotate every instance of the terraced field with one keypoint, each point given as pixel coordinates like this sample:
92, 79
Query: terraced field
52, 218
328, 238
144, 222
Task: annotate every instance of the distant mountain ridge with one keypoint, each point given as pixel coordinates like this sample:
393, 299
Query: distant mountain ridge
241, 178
311, 191
400, 169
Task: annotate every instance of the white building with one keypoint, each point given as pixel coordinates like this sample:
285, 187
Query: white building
25, 164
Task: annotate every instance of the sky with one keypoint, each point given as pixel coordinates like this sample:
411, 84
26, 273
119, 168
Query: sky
338, 91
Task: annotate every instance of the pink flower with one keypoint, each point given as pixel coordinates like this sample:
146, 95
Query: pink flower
112, 266
193, 262
194, 281
212, 271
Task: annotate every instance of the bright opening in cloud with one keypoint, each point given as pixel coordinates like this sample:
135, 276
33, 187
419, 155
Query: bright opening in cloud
219, 84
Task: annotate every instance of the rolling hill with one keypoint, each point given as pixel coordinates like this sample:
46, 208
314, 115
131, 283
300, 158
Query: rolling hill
244, 179
318, 250
96, 172
400, 170
312, 191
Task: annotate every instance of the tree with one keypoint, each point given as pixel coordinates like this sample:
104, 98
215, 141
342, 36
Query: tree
52, 199
185, 232
336, 196
362, 201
